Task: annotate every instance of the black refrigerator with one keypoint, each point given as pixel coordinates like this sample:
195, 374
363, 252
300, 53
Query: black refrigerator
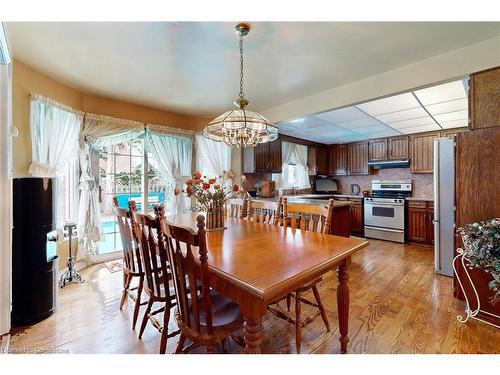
34, 242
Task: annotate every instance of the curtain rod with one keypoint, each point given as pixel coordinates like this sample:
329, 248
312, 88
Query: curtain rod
44, 99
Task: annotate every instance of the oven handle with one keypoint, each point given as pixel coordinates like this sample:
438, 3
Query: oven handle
383, 204
385, 229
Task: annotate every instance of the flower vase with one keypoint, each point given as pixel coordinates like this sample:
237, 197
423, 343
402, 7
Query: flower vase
215, 218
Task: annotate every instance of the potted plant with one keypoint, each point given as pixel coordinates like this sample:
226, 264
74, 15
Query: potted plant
210, 195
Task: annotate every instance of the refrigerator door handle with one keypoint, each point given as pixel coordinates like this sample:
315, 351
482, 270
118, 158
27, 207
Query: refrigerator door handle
437, 248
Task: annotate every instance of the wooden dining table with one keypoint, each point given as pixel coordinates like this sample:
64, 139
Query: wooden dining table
255, 264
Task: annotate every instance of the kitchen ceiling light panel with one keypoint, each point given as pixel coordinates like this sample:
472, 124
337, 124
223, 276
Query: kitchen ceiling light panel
442, 93
450, 106
455, 124
458, 115
390, 104
372, 129
361, 123
412, 123
420, 129
311, 122
341, 115
408, 114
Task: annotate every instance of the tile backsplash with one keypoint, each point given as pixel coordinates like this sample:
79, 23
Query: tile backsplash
422, 182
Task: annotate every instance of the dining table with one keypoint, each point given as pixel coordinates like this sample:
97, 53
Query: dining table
255, 264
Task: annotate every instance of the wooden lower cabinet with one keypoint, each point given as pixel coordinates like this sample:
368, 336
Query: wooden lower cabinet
357, 217
419, 227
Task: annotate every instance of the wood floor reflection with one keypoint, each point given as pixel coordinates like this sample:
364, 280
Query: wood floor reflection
398, 305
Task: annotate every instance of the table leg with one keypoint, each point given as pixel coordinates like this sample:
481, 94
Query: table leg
252, 330
343, 305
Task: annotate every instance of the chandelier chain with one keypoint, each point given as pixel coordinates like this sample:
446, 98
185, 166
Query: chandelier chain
241, 66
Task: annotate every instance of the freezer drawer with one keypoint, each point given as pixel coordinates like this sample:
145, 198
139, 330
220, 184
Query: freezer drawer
396, 235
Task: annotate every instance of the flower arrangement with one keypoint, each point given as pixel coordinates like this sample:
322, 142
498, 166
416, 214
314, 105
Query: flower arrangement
482, 249
210, 195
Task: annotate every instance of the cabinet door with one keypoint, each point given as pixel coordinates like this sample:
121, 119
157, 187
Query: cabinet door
397, 148
358, 158
261, 157
430, 224
337, 163
418, 227
311, 160
422, 153
377, 149
275, 164
322, 160
248, 160
484, 99
357, 222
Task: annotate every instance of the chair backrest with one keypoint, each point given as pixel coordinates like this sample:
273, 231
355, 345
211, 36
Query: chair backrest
181, 245
264, 212
236, 208
131, 252
311, 217
154, 257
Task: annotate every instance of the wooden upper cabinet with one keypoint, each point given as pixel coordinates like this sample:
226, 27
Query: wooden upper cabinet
484, 99
263, 158
422, 152
311, 160
357, 158
275, 164
377, 149
322, 160
261, 152
397, 148
337, 160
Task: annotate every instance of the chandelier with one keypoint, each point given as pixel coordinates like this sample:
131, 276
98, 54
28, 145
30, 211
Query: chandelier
241, 127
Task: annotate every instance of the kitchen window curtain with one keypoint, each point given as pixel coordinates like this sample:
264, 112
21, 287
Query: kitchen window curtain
212, 158
294, 154
97, 131
173, 152
54, 132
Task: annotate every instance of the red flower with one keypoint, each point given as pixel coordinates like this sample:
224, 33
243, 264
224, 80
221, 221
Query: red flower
189, 191
197, 175
206, 186
177, 191
217, 186
197, 181
189, 182
236, 188
212, 181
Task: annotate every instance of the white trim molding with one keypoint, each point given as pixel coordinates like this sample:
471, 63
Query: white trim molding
5, 198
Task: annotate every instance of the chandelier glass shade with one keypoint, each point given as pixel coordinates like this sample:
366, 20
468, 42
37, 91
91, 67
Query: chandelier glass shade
241, 127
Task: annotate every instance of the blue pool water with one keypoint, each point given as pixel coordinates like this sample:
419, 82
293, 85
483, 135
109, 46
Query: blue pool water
123, 199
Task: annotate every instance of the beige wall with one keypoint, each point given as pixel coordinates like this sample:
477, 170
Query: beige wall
26, 80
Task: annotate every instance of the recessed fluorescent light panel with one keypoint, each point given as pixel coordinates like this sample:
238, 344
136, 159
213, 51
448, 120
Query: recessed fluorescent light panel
434, 108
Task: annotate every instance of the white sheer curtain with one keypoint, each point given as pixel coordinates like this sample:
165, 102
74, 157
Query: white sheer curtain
173, 154
97, 131
294, 155
212, 158
54, 132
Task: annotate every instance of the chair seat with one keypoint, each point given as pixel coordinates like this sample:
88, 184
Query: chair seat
224, 311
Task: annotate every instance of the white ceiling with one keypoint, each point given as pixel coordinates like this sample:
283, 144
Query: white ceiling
439, 107
192, 67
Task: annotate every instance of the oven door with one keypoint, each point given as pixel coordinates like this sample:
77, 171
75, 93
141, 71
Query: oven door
385, 215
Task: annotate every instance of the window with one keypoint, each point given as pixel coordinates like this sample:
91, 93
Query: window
122, 175
292, 174
69, 187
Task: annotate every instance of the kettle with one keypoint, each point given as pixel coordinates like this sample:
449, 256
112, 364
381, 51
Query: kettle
355, 189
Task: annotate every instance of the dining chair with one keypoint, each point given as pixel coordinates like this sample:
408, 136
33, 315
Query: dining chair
310, 217
236, 207
204, 316
157, 276
264, 212
132, 263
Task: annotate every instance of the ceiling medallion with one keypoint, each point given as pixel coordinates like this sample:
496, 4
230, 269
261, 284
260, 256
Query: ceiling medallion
240, 127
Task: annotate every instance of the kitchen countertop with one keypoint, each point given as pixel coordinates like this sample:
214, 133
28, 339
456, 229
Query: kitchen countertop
420, 199
303, 200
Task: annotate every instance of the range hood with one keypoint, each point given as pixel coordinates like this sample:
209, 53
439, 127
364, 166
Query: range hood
381, 164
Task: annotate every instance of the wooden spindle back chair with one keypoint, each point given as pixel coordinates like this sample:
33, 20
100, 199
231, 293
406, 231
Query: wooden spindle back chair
264, 212
205, 318
156, 274
132, 263
308, 217
236, 207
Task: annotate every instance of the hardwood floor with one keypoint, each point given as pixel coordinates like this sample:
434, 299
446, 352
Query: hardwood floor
398, 305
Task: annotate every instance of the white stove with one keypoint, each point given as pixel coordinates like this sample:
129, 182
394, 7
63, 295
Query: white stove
385, 210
